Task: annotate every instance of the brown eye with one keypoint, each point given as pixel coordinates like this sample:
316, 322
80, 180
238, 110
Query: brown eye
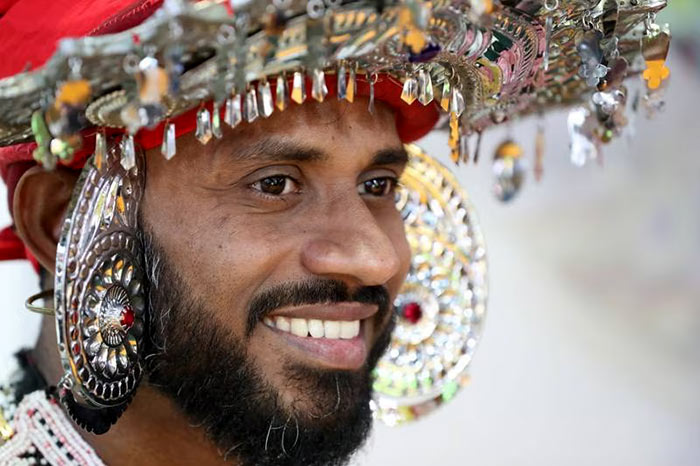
377, 186
277, 185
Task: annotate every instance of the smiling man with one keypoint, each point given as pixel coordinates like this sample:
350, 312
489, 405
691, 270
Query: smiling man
210, 193
273, 257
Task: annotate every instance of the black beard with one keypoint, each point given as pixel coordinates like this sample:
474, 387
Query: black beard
206, 369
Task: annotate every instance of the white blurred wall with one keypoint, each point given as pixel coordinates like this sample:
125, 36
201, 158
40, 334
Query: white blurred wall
590, 353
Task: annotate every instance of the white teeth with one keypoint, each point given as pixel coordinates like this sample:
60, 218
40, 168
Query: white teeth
316, 328
283, 323
349, 329
331, 328
299, 327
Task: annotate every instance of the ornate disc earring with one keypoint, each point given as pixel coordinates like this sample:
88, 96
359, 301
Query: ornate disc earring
442, 304
99, 290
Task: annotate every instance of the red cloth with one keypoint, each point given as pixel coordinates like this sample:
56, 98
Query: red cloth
29, 34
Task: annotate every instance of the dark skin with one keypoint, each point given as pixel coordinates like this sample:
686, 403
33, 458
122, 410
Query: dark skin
307, 193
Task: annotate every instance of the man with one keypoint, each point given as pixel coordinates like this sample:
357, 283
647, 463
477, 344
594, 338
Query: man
269, 232
230, 303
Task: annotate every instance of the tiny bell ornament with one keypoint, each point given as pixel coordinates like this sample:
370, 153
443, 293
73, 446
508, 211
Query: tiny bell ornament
509, 171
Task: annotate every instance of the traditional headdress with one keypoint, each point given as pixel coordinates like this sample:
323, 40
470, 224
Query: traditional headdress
140, 74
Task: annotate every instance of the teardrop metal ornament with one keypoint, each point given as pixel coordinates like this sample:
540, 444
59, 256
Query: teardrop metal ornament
409, 93
282, 93
342, 83
216, 121
370, 106
203, 131
508, 170
128, 152
265, 103
446, 95
233, 113
351, 89
251, 105
168, 148
100, 157
319, 89
425, 87
299, 87
457, 104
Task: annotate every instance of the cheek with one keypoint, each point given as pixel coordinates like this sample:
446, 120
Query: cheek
395, 230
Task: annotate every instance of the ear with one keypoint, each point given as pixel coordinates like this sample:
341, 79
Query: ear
40, 202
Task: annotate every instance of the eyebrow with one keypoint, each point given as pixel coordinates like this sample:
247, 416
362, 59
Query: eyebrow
275, 150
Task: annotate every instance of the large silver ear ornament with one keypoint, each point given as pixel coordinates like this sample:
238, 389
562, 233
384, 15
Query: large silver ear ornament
99, 291
442, 304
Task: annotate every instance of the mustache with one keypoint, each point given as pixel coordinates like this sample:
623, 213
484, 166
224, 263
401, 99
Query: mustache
315, 291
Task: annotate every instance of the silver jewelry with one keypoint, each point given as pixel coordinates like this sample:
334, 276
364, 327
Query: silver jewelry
99, 292
442, 305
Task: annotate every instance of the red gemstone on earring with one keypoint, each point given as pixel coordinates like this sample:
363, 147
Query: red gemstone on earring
412, 312
127, 317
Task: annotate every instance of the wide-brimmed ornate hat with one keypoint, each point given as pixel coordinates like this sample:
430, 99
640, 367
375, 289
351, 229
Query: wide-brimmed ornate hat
79, 75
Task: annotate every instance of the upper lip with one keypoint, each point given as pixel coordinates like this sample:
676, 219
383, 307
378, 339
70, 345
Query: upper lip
345, 311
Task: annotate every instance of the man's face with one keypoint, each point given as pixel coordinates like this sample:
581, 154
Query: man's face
274, 255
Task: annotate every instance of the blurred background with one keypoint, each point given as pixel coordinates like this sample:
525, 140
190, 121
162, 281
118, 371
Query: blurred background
590, 353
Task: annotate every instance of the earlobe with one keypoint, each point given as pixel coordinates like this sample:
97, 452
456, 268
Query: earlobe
40, 202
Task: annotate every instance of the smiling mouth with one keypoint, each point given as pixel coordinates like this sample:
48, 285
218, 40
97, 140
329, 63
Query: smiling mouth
334, 336
315, 328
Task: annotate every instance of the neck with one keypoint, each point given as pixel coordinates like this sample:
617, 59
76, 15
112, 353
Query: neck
152, 427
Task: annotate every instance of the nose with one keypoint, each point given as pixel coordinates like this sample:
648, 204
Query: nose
349, 243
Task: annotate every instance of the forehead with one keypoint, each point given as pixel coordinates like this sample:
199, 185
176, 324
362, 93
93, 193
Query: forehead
331, 128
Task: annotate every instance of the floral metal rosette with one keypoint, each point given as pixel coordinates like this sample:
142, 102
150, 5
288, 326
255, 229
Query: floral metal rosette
482, 61
442, 305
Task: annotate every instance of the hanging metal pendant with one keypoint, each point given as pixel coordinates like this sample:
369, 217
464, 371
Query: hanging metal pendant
319, 90
299, 87
550, 6
409, 94
453, 142
216, 121
168, 147
100, 151
509, 171
282, 93
549, 26
265, 103
203, 132
342, 83
128, 155
457, 105
445, 95
352, 85
370, 107
251, 105
233, 114
425, 87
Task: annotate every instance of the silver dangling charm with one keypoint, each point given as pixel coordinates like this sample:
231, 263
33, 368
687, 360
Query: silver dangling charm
99, 294
167, 148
